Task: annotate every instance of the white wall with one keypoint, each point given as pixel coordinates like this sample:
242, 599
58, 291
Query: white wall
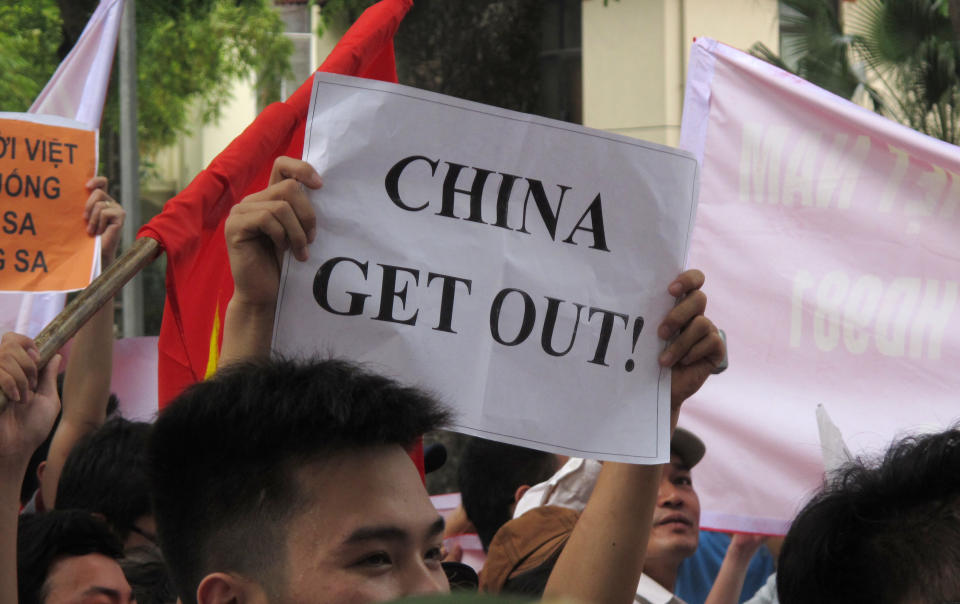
635, 55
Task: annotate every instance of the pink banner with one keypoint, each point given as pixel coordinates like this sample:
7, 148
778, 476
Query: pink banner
829, 237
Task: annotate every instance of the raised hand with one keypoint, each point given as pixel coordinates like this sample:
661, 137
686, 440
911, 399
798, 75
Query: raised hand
696, 348
267, 223
34, 403
104, 217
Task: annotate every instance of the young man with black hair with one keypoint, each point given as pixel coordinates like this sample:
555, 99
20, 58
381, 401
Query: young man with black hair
69, 556
284, 481
280, 481
493, 476
880, 534
106, 473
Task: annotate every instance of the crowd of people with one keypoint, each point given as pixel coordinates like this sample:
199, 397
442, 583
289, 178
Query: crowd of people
282, 480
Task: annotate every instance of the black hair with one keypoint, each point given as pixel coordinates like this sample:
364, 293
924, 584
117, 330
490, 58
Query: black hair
106, 473
223, 455
44, 538
30, 480
886, 533
489, 475
147, 574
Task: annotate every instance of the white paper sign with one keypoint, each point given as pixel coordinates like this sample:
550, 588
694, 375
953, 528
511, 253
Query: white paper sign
515, 266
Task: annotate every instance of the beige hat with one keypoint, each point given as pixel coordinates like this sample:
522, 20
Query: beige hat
525, 543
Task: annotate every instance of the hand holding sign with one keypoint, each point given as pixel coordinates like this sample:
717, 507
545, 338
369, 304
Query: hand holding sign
697, 348
264, 225
104, 217
259, 229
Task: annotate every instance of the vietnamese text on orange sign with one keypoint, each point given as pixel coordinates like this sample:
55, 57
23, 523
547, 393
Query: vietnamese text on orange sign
44, 244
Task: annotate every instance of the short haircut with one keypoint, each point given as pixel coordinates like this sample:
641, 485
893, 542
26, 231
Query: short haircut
42, 539
490, 473
886, 533
147, 574
106, 473
223, 456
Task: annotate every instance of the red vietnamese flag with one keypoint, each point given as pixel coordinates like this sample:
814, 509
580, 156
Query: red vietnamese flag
190, 228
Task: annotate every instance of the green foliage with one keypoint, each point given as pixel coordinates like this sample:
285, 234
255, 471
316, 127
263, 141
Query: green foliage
188, 60
911, 47
188, 54
813, 34
29, 37
901, 56
345, 11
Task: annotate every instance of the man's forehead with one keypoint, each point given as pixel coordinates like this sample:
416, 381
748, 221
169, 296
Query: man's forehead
93, 573
373, 487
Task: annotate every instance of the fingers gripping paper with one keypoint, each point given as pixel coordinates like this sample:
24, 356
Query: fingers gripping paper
515, 266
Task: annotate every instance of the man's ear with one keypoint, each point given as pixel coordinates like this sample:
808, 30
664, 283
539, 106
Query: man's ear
519, 492
226, 588
40, 468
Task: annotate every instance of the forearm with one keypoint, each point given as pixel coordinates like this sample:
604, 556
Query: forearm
10, 480
603, 559
86, 392
247, 332
86, 384
729, 582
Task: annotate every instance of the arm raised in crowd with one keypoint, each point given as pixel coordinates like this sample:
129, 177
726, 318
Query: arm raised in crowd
733, 571
259, 229
86, 385
604, 557
23, 426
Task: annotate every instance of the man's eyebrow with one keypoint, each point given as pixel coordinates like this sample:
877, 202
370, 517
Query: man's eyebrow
389, 533
371, 533
106, 591
437, 527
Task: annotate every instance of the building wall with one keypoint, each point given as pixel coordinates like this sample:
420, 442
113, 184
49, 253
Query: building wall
635, 55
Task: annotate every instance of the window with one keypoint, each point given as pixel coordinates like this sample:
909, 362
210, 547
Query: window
561, 79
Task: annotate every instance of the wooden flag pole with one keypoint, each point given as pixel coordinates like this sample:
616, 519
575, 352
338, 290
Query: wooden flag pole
63, 327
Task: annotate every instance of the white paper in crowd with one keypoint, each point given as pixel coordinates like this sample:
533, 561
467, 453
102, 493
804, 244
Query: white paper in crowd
426, 266
134, 377
829, 237
834, 450
77, 90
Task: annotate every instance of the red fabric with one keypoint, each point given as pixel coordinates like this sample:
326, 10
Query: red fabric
190, 228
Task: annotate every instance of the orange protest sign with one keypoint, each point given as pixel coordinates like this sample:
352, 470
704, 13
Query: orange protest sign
44, 245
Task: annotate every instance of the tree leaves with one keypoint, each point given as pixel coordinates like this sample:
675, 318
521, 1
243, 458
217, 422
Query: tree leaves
900, 56
29, 37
